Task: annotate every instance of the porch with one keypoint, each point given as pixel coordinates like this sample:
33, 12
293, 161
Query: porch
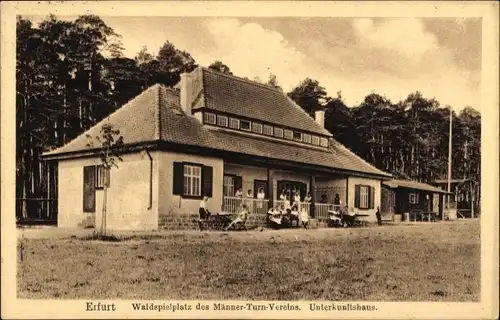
249, 185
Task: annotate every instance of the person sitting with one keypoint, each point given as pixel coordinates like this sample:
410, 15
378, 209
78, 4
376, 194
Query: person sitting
203, 212
275, 215
241, 218
304, 218
294, 214
238, 193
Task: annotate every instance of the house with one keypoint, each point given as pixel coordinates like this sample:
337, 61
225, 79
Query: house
464, 200
209, 136
415, 200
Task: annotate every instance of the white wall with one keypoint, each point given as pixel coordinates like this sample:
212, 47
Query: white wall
353, 181
127, 199
170, 204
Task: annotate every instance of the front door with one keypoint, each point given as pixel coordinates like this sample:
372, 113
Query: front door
291, 187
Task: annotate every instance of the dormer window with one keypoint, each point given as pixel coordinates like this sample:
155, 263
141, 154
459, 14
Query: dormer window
278, 132
306, 138
288, 134
245, 125
324, 142
234, 123
315, 140
257, 127
268, 130
209, 118
222, 121
297, 136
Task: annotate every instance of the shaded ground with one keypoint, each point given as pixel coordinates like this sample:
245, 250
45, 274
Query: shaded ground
420, 262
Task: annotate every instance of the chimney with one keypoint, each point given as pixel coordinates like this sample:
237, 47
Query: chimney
186, 95
319, 116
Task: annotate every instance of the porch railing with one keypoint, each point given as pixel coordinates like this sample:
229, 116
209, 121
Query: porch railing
254, 206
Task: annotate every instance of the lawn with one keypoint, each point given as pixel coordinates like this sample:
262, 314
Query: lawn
424, 262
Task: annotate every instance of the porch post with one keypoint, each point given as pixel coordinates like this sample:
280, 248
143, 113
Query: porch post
270, 187
471, 198
312, 189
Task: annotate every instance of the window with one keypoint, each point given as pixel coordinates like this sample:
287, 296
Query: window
413, 197
364, 197
100, 177
257, 127
245, 125
297, 136
288, 134
268, 130
234, 123
209, 118
222, 121
306, 138
315, 140
192, 180
324, 142
228, 187
278, 132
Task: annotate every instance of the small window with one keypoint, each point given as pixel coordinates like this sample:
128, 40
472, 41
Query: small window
222, 121
234, 123
245, 125
268, 130
413, 198
297, 136
192, 180
209, 118
288, 134
257, 127
278, 132
306, 138
324, 142
100, 177
315, 140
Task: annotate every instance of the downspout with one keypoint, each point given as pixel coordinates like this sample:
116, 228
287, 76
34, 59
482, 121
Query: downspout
150, 179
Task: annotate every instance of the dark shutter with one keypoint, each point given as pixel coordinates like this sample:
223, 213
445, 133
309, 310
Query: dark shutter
206, 180
89, 188
238, 183
178, 181
372, 198
356, 195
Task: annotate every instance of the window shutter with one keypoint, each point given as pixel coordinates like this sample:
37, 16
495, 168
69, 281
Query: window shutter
178, 180
356, 195
238, 183
372, 198
89, 173
206, 181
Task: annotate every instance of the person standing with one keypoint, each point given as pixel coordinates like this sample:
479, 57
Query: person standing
260, 197
203, 212
379, 216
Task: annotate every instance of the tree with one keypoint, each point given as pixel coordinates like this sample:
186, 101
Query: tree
220, 67
310, 95
111, 146
273, 82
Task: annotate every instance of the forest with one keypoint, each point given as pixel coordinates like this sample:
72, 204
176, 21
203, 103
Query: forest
72, 74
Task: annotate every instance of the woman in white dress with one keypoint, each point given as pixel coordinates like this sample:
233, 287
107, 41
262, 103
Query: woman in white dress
260, 196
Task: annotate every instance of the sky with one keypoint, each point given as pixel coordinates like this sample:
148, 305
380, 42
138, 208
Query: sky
440, 57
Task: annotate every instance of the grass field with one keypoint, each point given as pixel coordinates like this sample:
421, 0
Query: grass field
424, 262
